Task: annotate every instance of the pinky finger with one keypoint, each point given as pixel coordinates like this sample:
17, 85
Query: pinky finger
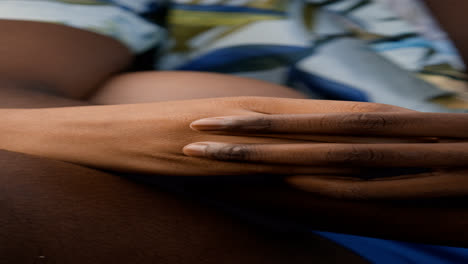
436, 184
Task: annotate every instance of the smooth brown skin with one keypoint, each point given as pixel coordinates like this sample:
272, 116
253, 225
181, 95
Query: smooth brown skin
442, 128
451, 15
413, 222
57, 212
418, 155
396, 124
441, 182
26, 57
170, 86
148, 138
448, 161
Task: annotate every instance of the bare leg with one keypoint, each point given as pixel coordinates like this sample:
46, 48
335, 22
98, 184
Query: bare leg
78, 64
419, 221
55, 212
165, 86
63, 60
25, 94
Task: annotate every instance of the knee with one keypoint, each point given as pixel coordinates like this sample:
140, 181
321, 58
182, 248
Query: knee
29, 94
165, 86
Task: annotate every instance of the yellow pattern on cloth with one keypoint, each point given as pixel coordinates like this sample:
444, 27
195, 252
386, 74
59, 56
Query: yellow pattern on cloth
425, 73
333, 49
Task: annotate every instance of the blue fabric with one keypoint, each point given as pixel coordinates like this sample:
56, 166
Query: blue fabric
244, 57
326, 88
416, 42
230, 9
392, 252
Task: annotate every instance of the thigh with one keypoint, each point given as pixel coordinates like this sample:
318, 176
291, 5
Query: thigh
26, 94
166, 86
54, 212
64, 60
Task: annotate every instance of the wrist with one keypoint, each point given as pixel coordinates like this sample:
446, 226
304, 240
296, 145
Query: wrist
24, 130
13, 129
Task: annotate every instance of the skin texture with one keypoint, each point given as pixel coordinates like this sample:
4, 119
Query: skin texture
40, 60
166, 86
440, 182
24, 188
446, 157
122, 137
396, 124
335, 154
57, 212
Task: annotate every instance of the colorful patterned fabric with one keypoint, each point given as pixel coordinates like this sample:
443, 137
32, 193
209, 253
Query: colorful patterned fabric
358, 50
362, 50
119, 19
385, 51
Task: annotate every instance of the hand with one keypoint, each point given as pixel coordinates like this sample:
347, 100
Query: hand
448, 159
148, 138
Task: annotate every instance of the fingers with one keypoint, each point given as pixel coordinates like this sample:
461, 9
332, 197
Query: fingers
438, 184
308, 138
269, 105
321, 154
409, 124
220, 168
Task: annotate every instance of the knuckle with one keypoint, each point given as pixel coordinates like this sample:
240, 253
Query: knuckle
289, 122
257, 123
254, 103
363, 121
352, 155
358, 107
324, 122
389, 108
377, 107
233, 152
343, 189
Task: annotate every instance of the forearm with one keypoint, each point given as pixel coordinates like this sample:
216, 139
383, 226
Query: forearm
27, 131
66, 133
23, 131
150, 137
21, 126
18, 125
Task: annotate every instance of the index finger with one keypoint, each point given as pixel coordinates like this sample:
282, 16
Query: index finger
412, 124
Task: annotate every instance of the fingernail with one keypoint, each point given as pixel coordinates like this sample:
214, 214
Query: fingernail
195, 150
210, 124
